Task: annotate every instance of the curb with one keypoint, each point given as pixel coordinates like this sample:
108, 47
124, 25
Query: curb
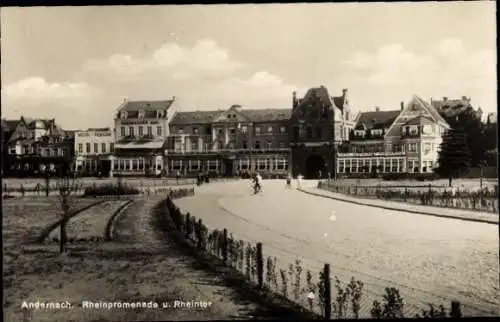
46, 231
485, 221
108, 231
233, 277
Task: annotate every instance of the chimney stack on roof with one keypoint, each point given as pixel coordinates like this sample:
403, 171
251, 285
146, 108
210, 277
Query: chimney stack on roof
402, 105
173, 98
294, 99
377, 108
445, 98
344, 92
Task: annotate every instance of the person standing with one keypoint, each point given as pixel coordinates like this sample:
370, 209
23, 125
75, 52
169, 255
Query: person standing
289, 181
299, 181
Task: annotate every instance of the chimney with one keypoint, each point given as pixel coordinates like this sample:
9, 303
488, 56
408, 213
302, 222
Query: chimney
377, 108
344, 92
294, 99
445, 98
173, 98
402, 106
464, 98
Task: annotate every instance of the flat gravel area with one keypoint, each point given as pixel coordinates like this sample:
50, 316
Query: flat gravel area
430, 259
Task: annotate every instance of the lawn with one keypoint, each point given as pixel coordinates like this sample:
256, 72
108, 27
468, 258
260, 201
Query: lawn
91, 222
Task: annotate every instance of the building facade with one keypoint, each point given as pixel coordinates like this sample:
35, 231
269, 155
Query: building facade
399, 141
319, 124
93, 150
229, 142
141, 129
37, 145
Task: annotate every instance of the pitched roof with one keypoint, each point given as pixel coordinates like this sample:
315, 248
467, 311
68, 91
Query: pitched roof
377, 119
9, 125
145, 105
420, 120
253, 115
431, 109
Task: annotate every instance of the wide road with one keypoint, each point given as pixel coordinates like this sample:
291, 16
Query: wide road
429, 259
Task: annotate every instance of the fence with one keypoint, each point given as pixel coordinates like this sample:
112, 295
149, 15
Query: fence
427, 195
285, 278
79, 189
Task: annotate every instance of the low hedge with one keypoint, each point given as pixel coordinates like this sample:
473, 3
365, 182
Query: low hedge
110, 190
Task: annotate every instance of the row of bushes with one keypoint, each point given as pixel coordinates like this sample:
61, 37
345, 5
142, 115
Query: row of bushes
484, 200
264, 273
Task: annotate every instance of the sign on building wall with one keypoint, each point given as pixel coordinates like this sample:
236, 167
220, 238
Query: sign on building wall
138, 122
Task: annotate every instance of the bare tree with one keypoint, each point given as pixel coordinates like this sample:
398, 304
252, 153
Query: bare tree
66, 186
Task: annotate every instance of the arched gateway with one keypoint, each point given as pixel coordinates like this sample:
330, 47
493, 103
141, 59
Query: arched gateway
315, 166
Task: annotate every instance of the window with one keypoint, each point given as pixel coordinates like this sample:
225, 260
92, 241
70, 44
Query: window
269, 144
257, 130
282, 145
309, 132
220, 144
194, 145
296, 133
141, 131
269, 129
131, 131
111, 147
80, 147
232, 131
122, 129
87, 146
347, 116
245, 145
427, 148
158, 131
283, 129
319, 132
394, 167
412, 147
257, 144
195, 130
244, 129
150, 130
103, 147
96, 148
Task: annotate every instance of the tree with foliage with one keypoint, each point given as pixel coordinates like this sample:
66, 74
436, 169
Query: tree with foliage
454, 156
66, 186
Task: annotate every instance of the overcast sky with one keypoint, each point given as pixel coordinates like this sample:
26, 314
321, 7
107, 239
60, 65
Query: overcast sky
78, 64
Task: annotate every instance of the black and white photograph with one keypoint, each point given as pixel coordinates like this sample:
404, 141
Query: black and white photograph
250, 161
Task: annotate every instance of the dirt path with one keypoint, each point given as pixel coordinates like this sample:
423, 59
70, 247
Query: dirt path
179, 273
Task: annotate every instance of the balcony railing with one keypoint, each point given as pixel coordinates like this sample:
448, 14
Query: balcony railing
370, 154
222, 151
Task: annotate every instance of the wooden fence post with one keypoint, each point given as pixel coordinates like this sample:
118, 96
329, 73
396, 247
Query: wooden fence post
260, 265
200, 234
224, 246
456, 311
188, 222
328, 293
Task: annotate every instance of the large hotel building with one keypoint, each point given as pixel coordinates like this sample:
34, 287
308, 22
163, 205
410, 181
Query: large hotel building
318, 135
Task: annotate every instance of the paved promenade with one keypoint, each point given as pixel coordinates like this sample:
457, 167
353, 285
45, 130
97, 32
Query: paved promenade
462, 214
429, 258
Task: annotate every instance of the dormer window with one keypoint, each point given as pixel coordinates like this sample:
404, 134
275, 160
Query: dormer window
376, 132
123, 115
141, 114
360, 133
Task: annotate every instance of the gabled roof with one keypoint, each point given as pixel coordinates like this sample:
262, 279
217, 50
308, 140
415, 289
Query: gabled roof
377, 119
145, 105
321, 93
431, 110
451, 107
253, 115
9, 125
420, 120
